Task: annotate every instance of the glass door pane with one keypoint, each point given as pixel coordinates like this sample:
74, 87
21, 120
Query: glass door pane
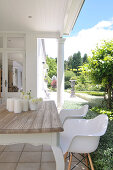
1, 42
0, 73
15, 72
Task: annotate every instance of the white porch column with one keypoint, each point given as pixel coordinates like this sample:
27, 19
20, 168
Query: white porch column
60, 73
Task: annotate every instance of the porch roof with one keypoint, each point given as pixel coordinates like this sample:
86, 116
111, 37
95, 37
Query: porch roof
52, 16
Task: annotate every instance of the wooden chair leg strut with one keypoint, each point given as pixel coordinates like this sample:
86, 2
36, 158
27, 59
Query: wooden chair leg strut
70, 160
65, 156
86, 160
90, 161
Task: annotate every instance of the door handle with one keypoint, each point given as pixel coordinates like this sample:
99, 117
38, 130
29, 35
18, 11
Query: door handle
5, 83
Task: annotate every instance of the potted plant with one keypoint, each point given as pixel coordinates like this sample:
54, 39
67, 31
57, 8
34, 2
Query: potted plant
25, 95
33, 103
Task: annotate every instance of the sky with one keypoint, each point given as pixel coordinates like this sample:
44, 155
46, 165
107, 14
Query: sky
94, 24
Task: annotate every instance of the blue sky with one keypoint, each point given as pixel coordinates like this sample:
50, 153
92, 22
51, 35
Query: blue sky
94, 24
93, 11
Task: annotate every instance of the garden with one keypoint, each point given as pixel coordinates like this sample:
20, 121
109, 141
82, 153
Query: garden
93, 77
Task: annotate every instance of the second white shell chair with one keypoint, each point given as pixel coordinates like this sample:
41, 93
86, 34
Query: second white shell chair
82, 135
73, 113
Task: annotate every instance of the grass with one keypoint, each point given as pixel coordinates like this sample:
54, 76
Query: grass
93, 93
103, 156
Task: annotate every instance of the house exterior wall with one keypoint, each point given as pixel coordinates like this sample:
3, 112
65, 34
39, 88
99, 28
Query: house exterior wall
31, 64
40, 69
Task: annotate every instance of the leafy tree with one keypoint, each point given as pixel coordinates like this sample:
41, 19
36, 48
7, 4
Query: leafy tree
52, 64
68, 76
70, 62
65, 65
101, 66
77, 60
85, 58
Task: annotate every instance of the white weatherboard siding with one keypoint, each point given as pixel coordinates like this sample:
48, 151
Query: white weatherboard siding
31, 64
40, 69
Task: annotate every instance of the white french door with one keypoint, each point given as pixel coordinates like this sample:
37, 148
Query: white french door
13, 73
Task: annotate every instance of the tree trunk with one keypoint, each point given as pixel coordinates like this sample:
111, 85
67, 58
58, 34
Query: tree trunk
109, 96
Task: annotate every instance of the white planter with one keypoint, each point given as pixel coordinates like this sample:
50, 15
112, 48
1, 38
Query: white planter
33, 106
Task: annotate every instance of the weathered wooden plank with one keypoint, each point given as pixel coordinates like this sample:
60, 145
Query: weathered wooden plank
45, 119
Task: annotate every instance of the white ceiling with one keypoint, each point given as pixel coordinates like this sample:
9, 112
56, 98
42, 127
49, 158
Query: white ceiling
47, 15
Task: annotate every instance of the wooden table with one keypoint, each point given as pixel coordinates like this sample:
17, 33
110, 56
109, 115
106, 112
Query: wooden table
33, 127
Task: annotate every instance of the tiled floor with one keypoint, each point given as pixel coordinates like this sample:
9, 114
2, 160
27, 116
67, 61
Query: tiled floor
28, 157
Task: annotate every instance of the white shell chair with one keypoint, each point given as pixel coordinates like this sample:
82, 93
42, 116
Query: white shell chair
73, 113
82, 135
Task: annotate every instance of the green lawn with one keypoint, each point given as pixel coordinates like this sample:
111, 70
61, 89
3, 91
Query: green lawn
103, 156
93, 93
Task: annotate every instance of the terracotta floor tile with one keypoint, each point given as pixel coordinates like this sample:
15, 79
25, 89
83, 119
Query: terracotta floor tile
47, 148
47, 157
7, 166
30, 157
2, 147
10, 156
13, 148
31, 148
48, 166
28, 166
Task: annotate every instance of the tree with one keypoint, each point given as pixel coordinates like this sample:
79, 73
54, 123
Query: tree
52, 64
101, 66
85, 58
65, 65
70, 62
77, 60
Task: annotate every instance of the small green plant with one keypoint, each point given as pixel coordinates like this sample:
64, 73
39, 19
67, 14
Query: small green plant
36, 100
25, 95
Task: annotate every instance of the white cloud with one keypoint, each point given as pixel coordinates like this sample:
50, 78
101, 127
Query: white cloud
85, 41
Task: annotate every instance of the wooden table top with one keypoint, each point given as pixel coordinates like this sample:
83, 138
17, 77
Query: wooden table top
44, 120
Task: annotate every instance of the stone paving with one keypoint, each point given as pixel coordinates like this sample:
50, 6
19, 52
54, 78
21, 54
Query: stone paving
53, 96
29, 157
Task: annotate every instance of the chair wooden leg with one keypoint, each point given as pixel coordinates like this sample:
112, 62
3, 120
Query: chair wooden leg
69, 165
65, 156
86, 160
91, 164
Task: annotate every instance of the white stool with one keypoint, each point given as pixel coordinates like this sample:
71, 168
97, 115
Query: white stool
10, 104
25, 105
17, 105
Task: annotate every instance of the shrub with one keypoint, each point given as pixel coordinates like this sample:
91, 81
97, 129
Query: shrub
68, 76
48, 79
54, 83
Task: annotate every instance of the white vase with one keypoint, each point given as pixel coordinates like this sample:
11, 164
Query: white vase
17, 105
25, 105
10, 106
32, 106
